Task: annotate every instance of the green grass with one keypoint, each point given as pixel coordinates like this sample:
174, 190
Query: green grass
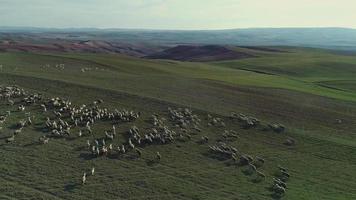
301, 89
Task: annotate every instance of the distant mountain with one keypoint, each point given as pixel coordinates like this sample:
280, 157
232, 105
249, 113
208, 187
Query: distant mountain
330, 38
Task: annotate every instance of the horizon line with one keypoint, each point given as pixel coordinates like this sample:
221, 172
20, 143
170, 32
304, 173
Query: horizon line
162, 29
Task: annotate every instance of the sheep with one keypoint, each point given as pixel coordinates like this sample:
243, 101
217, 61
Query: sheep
17, 131
114, 130
279, 182
2, 119
252, 167
84, 178
204, 139
109, 136
97, 151
44, 109
131, 144
10, 139
80, 133
282, 168
244, 160
21, 108
260, 174
197, 128
123, 149
285, 174
89, 129
88, 144
29, 121
259, 159
139, 152
104, 150
92, 171
290, 142
45, 140
279, 190
158, 156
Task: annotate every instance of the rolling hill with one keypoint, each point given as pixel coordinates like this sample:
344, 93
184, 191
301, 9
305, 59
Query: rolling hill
309, 91
199, 53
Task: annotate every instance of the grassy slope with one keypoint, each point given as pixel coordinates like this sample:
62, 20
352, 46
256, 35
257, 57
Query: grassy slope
151, 86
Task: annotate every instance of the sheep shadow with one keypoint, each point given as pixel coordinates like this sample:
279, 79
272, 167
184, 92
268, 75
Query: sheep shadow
81, 148
32, 144
71, 138
276, 196
70, 187
152, 162
87, 156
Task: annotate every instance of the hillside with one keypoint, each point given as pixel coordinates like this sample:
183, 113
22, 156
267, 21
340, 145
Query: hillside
199, 53
294, 87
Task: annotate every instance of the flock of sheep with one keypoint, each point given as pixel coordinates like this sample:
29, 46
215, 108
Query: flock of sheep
65, 119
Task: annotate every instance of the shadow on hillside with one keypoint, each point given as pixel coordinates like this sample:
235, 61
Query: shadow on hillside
31, 144
70, 187
87, 156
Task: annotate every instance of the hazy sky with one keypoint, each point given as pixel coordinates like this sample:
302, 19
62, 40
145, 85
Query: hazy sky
178, 14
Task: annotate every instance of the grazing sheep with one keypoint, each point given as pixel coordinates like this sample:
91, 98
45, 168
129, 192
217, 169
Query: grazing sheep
204, 139
139, 152
10, 139
88, 144
109, 136
17, 131
131, 144
282, 168
114, 130
80, 133
290, 142
92, 171
259, 159
84, 178
123, 150
44, 108
279, 190
29, 121
252, 167
10, 102
197, 128
43, 140
244, 160
279, 182
278, 128
21, 108
260, 174
97, 151
158, 156
285, 174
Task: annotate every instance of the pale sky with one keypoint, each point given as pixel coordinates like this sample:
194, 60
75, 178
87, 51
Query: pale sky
178, 14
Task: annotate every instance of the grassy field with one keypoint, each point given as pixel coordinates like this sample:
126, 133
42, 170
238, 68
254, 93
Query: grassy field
307, 90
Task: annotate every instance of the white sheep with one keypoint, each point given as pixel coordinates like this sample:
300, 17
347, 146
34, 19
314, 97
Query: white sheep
84, 178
